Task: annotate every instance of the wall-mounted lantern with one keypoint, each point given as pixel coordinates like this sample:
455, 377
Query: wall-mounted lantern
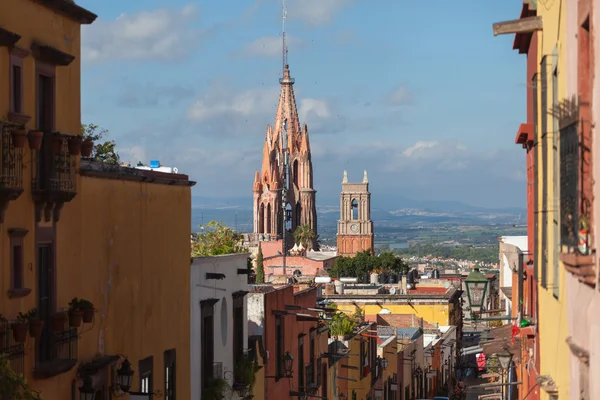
124, 379
288, 364
476, 284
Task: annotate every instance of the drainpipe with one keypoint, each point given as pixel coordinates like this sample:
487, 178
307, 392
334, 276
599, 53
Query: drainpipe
520, 284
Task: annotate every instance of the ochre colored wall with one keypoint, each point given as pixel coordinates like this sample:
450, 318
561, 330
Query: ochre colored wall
434, 313
553, 329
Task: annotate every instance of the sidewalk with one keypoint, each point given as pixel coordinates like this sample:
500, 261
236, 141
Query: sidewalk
473, 394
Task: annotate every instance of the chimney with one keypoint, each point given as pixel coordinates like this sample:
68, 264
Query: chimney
403, 285
413, 320
421, 324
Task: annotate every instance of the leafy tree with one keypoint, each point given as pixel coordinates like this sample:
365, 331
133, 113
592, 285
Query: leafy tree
305, 235
12, 385
104, 150
365, 263
260, 269
217, 239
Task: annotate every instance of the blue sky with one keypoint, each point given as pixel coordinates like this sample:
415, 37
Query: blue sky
421, 94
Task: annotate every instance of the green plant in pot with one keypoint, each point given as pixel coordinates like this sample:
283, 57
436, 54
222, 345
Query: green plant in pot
35, 323
246, 372
19, 328
13, 385
215, 389
88, 309
75, 313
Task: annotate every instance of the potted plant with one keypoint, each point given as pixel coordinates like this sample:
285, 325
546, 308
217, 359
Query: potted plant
58, 320
246, 372
75, 313
88, 310
75, 145
215, 389
19, 138
583, 234
19, 329
56, 142
35, 323
87, 147
35, 139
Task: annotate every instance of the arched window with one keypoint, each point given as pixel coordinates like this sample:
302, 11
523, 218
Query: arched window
268, 227
295, 173
298, 214
354, 209
261, 218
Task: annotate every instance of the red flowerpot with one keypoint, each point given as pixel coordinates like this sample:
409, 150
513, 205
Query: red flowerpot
88, 315
35, 328
56, 143
86, 148
35, 139
58, 321
75, 318
19, 330
75, 145
19, 138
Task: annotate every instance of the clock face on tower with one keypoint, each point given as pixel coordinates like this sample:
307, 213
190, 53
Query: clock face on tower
354, 227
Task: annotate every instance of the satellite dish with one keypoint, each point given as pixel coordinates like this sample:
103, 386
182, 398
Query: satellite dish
409, 286
393, 290
446, 285
175, 170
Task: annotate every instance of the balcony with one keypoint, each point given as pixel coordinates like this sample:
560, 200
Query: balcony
54, 176
56, 353
311, 384
15, 352
11, 168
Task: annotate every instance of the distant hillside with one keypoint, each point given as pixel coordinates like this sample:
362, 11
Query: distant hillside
237, 213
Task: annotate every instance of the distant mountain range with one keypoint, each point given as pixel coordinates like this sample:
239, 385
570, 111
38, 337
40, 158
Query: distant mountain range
236, 212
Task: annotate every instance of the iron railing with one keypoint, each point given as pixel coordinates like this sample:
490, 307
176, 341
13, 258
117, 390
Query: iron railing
11, 160
569, 184
53, 171
310, 374
13, 351
61, 346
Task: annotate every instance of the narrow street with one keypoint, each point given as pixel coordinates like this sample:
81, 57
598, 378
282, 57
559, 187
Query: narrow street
474, 393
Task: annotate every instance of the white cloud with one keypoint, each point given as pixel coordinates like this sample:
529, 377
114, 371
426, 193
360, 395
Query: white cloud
311, 108
219, 102
270, 46
162, 34
316, 12
400, 96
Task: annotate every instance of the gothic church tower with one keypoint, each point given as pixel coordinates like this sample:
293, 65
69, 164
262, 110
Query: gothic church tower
355, 228
286, 136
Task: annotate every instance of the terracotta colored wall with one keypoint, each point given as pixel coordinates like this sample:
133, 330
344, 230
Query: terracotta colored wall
307, 266
276, 300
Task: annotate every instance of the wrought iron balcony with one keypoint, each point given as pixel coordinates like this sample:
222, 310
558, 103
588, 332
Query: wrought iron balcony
15, 352
56, 353
54, 175
11, 168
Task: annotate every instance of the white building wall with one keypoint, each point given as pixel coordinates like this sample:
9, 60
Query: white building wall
202, 289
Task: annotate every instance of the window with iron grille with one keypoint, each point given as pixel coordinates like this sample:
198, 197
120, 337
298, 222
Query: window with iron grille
279, 368
544, 207
569, 182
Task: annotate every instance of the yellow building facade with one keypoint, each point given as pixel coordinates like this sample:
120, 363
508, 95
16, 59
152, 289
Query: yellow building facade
74, 228
551, 88
436, 313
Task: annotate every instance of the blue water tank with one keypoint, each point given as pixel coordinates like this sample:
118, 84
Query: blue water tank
154, 163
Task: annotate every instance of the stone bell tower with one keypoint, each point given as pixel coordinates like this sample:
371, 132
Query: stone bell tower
355, 228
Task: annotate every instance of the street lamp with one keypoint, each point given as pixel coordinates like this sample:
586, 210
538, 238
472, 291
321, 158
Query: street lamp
476, 284
86, 391
125, 376
505, 357
288, 363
